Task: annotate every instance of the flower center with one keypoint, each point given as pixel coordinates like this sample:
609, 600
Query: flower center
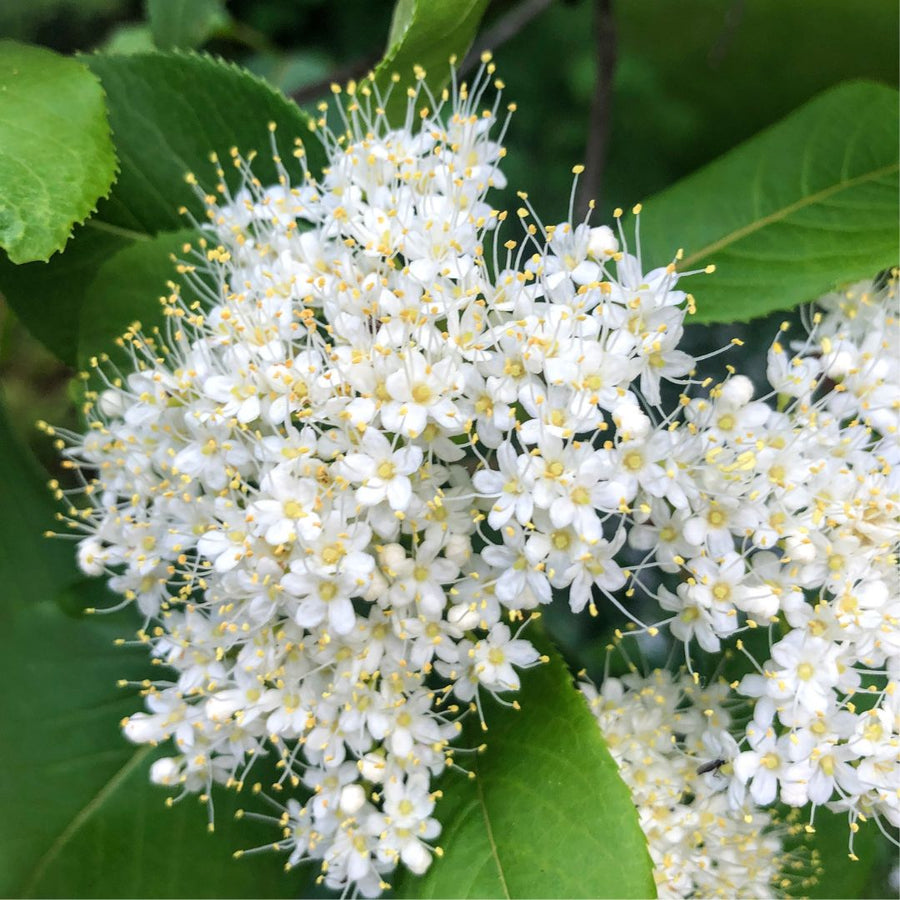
716, 518
581, 496
331, 554
513, 368
634, 460
805, 671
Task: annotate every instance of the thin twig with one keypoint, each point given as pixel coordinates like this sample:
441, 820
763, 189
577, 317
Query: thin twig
601, 107
503, 30
351, 71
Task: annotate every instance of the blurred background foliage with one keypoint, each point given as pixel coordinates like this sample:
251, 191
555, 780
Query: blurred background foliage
691, 79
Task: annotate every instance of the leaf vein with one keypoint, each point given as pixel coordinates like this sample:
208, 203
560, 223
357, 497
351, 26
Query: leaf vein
491, 841
81, 817
781, 214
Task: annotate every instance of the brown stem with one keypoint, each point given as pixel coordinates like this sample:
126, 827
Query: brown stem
601, 107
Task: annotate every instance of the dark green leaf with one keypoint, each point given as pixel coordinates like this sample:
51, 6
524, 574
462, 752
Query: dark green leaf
803, 207
47, 297
56, 157
427, 33
184, 23
169, 112
546, 815
31, 566
127, 288
80, 818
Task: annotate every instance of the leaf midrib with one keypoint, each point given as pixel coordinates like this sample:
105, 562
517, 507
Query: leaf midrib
780, 214
490, 836
80, 818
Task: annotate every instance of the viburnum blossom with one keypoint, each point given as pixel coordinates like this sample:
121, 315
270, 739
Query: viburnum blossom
670, 740
372, 428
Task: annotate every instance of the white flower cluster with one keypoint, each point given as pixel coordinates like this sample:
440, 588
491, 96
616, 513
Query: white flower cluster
367, 434
351, 450
664, 732
787, 515
826, 726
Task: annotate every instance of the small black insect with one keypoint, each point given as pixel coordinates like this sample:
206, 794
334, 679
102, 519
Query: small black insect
712, 766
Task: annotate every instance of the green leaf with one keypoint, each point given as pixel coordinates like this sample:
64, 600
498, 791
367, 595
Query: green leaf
168, 112
80, 818
787, 216
30, 564
427, 33
185, 23
56, 157
127, 288
47, 297
546, 815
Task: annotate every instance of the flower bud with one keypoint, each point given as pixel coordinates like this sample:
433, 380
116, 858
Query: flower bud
165, 771
353, 798
602, 242
737, 391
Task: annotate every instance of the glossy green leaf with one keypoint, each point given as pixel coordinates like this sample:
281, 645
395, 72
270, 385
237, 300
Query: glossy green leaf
168, 112
127, 288
785, 217
427, 33
546, 814
56, 156
80, 818
184, 23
